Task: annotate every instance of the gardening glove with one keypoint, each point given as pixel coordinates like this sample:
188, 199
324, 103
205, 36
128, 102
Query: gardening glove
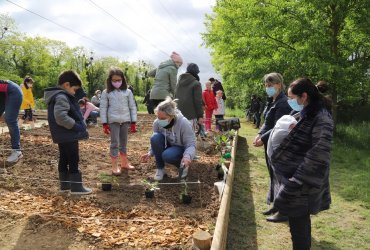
133, 127
106, 128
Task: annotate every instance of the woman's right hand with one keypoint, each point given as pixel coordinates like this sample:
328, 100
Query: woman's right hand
145, 157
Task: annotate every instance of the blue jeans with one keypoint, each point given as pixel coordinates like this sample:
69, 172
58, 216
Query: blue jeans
13, 103
171, 154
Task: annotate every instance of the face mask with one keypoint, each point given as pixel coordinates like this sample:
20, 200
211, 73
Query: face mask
293, 103
99, 95
29, 85
271, 91
163, 123
117, 84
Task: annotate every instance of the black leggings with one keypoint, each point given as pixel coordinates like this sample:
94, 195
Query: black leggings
28, 115
68, 157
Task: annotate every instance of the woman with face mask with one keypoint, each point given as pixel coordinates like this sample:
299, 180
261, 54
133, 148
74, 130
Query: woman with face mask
173, 140
301, 163
117, 112
274, 111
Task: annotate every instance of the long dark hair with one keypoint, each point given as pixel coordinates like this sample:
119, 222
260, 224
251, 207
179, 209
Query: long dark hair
115, 71
314, 92
27, 80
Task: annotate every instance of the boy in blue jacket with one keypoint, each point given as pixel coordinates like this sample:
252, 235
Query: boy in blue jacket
67, 127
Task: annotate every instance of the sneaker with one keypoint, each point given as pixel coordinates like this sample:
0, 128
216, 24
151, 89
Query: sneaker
196, 157
14, 156
159, 174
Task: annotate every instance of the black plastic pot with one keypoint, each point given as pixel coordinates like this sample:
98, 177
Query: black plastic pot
149, 193
106, 186
220, 176
186, 199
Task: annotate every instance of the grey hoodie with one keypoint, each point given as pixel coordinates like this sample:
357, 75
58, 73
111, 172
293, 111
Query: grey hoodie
181, 134
164, 81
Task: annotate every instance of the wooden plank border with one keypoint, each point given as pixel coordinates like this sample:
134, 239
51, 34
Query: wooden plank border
220, 233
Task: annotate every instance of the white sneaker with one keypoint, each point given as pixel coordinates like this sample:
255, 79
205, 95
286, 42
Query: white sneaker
14, 156
159, 174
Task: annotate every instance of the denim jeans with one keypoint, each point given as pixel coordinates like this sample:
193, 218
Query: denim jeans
13, 103
171, 154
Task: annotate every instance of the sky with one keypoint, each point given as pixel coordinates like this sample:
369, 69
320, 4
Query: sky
130, 30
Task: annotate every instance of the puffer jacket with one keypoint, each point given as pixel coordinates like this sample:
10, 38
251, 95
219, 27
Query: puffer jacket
117, 106
180, 134
164, 81
63, 114
189, 93
305, 155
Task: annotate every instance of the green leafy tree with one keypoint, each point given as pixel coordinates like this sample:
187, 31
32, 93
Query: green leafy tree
321, 39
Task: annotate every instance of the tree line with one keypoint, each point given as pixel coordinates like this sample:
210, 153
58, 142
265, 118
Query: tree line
320, 39
43, 59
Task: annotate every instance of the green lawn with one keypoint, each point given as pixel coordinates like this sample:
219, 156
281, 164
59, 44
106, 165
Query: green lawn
345, 226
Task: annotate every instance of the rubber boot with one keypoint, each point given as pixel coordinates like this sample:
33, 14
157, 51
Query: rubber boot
124, 162
116, 169
76, 184
65, 185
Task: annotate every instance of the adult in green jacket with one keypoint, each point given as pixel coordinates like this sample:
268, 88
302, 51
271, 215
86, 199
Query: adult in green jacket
165, 79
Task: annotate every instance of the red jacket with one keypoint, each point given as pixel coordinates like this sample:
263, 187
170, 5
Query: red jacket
209, 99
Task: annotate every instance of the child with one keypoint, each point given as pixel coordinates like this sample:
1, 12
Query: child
210, 103
28, 102
281, 129
89, 111
67, 127
220, 111
117, 112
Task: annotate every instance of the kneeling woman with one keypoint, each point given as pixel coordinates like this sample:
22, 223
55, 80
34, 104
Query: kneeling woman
173, 139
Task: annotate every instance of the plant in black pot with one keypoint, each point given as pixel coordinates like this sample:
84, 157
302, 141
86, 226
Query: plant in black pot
107, 181
150, 187
184, 196
220, 170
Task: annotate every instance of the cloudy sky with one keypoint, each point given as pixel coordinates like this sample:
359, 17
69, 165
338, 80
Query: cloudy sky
127, 29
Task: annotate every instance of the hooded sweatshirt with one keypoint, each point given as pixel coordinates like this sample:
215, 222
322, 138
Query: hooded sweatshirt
164, 81
63, 114
180, 134
189, 93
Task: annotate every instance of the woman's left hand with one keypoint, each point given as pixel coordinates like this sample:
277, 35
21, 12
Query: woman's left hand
258, 143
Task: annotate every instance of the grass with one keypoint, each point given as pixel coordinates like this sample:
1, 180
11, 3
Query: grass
345, 226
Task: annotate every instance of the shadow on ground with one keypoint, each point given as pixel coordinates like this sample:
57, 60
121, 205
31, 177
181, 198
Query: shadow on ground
242, 232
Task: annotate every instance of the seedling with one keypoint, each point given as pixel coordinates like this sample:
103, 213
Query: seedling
184, 197
107, 181
150, 188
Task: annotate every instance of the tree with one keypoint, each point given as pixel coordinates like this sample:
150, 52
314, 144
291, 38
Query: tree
321, 39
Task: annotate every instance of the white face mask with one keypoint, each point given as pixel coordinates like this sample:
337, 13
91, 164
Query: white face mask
30, 85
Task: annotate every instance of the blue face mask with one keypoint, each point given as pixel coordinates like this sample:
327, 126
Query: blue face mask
271, 91
293, 103
163, 123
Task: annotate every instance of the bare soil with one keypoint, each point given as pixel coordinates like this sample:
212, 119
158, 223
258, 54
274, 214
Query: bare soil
35, 216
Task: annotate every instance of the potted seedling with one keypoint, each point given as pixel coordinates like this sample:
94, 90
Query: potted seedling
220, 171
184, 196
150, 187
107, 181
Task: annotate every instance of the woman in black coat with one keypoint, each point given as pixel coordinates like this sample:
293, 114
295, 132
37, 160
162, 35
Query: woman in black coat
278, 107
301, 162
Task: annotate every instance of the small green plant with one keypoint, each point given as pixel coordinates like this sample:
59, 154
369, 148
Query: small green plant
221, 141
184, 192
150, 185
107, 178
